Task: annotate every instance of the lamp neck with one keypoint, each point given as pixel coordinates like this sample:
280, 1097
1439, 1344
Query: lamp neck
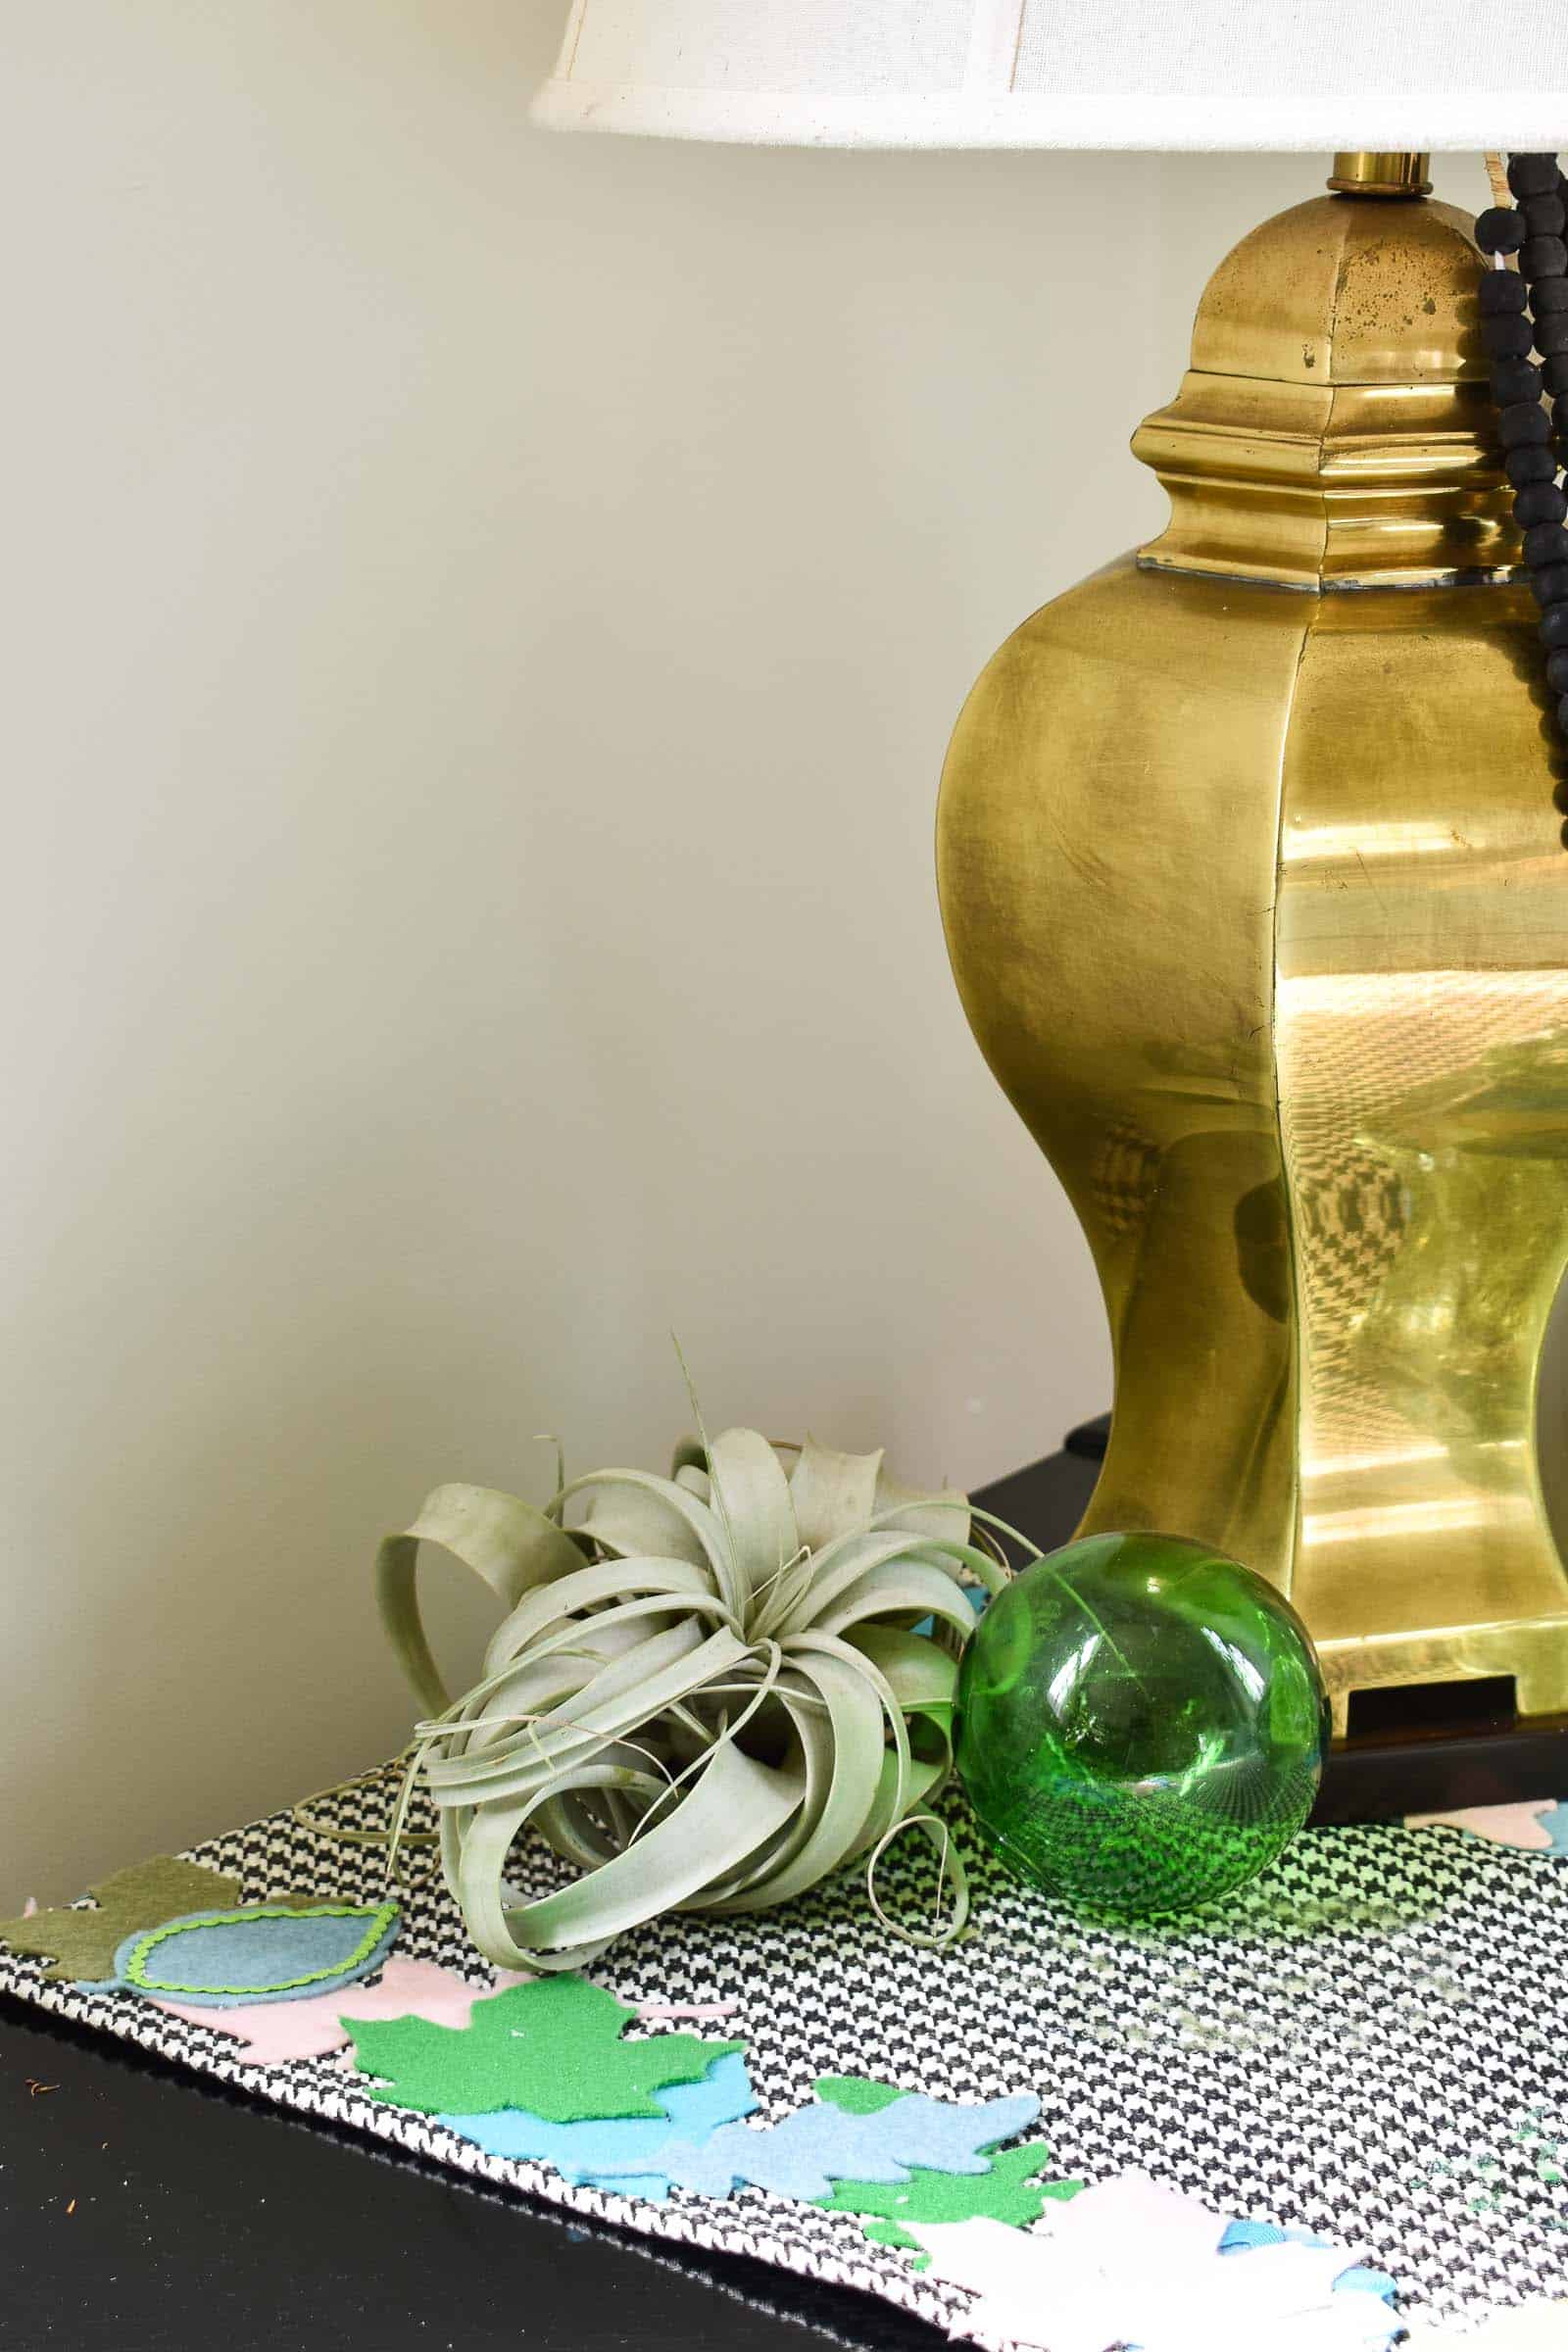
1359, 172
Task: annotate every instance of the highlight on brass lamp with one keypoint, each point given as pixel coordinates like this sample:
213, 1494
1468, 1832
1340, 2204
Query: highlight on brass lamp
1248, 852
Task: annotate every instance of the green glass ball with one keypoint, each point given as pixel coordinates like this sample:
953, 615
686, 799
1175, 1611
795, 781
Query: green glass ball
1141, 1723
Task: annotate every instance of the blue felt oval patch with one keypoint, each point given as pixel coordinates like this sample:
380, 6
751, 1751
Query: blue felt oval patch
259, 1952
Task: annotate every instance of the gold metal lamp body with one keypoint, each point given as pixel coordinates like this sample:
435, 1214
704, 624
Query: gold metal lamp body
1254, 896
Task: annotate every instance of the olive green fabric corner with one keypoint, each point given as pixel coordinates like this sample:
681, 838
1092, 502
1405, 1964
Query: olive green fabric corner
82, 1944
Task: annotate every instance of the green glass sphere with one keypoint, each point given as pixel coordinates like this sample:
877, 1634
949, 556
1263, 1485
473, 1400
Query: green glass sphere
1141, 1723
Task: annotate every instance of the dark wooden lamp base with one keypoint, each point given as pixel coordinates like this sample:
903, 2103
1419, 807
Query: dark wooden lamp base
1408, 1753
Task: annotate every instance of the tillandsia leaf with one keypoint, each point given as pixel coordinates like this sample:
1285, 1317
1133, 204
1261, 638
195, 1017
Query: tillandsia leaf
833, 1493
539, 1615
510, 1543
752, 1496
841, 1750
945, 1517
709, 1693
733, 1807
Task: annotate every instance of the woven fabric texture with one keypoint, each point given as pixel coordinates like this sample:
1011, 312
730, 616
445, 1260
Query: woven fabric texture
1368, 2042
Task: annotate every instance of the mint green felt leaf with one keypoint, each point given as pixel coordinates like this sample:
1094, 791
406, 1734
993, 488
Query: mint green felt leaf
1012, 2191
554, 2047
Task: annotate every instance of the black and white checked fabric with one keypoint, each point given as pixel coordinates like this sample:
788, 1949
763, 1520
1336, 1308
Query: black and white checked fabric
1368, 2041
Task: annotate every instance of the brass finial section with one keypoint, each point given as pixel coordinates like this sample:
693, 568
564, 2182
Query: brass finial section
1336, 429
1360, 174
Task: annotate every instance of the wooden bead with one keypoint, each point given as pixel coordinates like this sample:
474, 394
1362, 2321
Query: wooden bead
1522, 422
1502, 290
1544, 216
1558, 671
1550, 585
1551, 294
1552, 626
1532, 174
1500, 229
1515, 380
1506, 337
1542, 257
1552, 334
1547, 544
1538, 503
1554, 375
1529, 464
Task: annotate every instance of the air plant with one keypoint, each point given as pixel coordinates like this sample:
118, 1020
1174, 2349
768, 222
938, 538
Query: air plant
709, 1693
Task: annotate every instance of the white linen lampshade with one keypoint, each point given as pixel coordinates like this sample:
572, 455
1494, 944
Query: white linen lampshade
1186, 73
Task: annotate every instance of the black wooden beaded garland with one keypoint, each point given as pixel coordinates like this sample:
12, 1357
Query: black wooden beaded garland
1524, 311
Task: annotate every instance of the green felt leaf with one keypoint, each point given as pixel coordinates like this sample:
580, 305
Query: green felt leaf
1011, 2191
82, 1944
854, 2094
552, 2048
888, 2234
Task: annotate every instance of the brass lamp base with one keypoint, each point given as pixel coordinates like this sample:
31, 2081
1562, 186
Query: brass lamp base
1435, 1750
1255, 900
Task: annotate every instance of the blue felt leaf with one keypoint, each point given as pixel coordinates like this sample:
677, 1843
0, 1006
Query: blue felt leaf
807, 2151
1555, 1825
259, 1952
1242, 2237
607, 2155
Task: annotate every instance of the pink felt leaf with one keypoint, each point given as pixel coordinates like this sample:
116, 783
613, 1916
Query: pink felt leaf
275, 2032
1068, 2285
1131, 2209
1499, 1825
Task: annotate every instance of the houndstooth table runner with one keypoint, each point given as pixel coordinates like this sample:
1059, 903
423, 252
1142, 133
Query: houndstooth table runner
1367, 2042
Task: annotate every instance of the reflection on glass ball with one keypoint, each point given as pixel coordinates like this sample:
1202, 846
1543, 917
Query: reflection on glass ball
1141, 1723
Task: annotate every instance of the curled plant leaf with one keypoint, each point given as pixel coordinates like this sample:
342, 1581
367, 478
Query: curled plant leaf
707, 1694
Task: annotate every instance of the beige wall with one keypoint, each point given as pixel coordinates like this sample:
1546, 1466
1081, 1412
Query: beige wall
485, 616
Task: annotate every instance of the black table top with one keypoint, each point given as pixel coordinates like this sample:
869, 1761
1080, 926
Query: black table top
146, 2210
